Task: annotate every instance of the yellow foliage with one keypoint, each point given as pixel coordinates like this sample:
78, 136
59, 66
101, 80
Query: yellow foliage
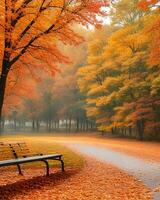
92, 111
105, 100
95, 90
123, 70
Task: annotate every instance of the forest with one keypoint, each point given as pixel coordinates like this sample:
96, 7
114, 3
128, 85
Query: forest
101, 75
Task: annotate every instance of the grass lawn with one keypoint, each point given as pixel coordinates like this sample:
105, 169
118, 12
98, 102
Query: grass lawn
47, 145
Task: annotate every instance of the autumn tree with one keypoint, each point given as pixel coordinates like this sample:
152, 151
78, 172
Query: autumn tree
121, 77
52, 104
66, 92
29, 30
92, 75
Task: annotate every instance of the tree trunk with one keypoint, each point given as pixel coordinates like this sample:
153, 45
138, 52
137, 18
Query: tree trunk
58, 125
130, 131
3, 80
87, 125
77, 125
2, 124
140, 126
112, 131
55, 125
70, 124
15, 124
91, 126
33, 125
49, 125
84, 126
66, 125
37, 125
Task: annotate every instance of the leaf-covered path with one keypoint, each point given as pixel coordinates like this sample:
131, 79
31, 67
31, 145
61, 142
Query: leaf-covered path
95, 181
104, 179
146, 171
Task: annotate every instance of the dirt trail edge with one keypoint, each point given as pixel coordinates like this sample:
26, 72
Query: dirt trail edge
148, 172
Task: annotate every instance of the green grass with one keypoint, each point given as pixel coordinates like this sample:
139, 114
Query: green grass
47, 145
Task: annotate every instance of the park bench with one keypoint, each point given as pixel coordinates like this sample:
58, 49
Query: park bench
17, 153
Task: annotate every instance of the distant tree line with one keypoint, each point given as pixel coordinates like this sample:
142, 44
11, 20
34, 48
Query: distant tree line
54, 108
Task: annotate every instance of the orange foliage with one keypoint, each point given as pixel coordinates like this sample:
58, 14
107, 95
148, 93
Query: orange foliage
145, 4
30, 29
20, 86
154, 31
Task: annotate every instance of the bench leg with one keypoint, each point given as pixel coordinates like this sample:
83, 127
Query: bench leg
47, 167
62, 165
19, 169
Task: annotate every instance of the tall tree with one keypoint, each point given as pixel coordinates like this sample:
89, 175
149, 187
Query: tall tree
29, 29
121, 78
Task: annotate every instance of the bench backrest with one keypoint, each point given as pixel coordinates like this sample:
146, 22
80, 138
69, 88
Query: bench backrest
13, 150
5, 152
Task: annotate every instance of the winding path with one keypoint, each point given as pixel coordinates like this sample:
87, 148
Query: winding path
148, 172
